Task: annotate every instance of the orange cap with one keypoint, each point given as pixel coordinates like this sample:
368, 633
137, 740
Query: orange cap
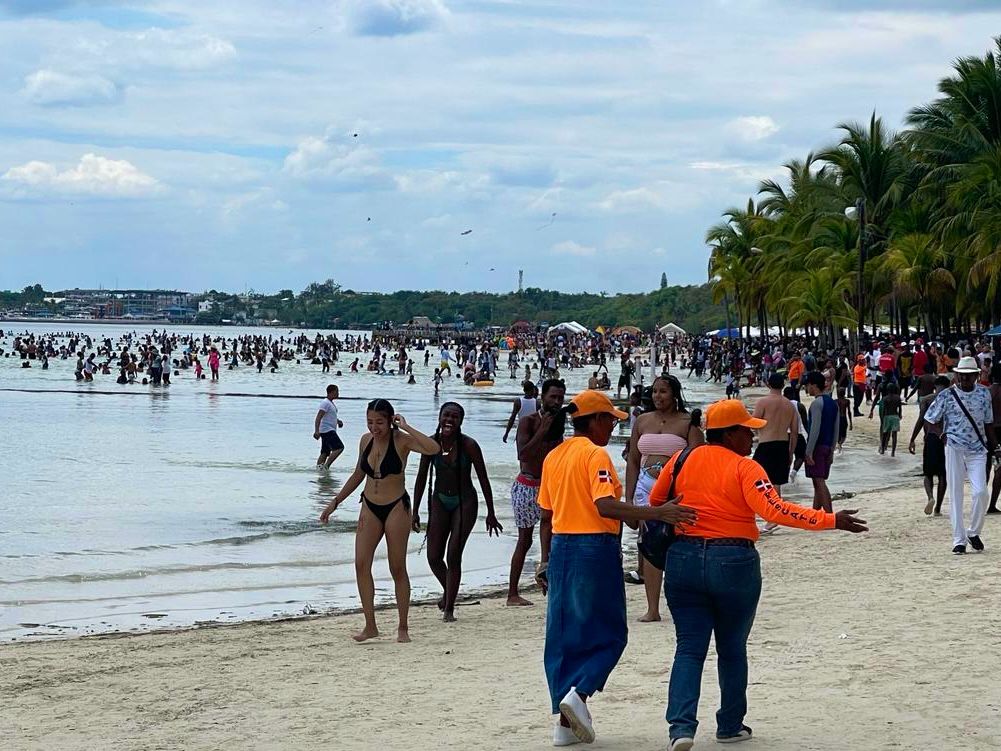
726, 413
594, 402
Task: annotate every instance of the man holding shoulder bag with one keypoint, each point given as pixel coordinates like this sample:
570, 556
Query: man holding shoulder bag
967, 418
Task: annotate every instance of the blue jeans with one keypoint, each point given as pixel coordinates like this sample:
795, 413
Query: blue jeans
710, 590
586, 629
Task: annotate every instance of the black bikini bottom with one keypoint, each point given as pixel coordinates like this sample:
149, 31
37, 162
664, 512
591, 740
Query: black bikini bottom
383, 510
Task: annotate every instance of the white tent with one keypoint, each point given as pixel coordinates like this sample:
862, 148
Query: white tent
672, 330
571, 326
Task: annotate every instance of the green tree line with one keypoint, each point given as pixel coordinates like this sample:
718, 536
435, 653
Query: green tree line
327, 305
891, 229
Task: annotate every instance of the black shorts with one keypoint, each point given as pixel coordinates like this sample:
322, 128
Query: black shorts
800, 451
933, 456
330, 441
624, 381
773, 456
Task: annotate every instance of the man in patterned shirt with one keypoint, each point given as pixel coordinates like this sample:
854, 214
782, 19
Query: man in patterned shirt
967, 419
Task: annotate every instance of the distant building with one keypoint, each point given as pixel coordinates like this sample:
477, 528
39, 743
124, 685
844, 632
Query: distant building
422, 323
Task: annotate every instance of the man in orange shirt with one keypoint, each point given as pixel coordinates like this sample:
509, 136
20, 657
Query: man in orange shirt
712, 579
796, 370
582, 510
860, 375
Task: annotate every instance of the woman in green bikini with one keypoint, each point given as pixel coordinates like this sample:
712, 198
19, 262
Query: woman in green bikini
452, 501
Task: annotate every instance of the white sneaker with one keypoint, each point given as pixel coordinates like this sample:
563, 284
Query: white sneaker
564, 736
575, 710
681, 744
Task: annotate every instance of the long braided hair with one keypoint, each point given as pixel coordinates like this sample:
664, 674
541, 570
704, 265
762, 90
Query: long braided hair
458, 456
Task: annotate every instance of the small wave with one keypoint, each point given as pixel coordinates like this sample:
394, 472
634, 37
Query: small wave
262, 466
269, 529
170, 570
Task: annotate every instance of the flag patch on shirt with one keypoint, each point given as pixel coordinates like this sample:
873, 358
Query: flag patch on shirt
604, 475
764, 486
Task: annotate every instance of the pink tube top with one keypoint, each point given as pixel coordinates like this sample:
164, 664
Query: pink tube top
660, 444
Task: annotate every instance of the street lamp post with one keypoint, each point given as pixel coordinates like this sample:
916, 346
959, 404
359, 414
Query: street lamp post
858, 212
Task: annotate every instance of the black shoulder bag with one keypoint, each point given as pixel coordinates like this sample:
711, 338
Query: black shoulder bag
658, 536
976, 428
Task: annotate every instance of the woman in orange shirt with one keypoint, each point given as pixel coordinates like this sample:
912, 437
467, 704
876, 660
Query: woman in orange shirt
712, 579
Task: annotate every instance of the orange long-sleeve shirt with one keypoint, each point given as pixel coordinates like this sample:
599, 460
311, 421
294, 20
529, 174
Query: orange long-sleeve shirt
727, 490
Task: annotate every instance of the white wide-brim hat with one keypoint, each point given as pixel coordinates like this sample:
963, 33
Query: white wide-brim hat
967, 365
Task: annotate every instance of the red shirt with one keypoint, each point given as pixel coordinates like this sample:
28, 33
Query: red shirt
920, 362
886, 363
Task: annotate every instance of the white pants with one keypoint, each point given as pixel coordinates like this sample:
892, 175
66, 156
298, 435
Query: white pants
961, 465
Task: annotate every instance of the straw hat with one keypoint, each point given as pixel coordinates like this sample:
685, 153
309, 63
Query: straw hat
967, 365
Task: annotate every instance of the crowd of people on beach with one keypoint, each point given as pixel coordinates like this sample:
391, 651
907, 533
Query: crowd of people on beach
697, 528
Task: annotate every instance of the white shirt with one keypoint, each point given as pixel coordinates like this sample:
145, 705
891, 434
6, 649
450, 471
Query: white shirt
529, 406
329, 420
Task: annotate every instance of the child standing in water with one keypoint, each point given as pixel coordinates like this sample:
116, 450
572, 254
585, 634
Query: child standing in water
890, 411
437, 380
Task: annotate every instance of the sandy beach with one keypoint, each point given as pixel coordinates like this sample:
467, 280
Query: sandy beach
880, 641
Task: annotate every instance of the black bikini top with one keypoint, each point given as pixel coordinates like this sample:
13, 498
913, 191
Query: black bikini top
391, 463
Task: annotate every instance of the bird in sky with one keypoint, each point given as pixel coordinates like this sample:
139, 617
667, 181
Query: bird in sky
466, 232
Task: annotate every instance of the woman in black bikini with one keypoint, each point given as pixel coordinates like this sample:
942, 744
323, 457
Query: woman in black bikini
452, 502
385, 509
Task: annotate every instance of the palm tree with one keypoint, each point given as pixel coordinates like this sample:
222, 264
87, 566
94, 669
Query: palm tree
871, 165
917, 264
734, 244
819, 299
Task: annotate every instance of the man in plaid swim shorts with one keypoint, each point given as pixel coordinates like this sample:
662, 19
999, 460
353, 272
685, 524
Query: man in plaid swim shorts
538, 434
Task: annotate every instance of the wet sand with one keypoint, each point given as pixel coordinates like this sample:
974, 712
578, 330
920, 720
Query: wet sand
880, 641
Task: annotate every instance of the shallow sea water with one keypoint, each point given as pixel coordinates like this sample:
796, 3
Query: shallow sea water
132, 508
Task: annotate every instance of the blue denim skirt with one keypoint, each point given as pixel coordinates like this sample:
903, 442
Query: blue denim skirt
586, 629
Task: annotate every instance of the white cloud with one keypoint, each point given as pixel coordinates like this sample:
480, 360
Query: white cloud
335, 159
752, 128
434, 181
571, 248
394, 17
255, 200
179, 49
93, 176
50, 88
637, 199
746, 172
438, 222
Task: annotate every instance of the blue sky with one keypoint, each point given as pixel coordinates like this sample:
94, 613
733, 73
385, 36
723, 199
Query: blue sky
262, 144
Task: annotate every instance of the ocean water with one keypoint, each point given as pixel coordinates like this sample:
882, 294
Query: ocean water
128, 507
